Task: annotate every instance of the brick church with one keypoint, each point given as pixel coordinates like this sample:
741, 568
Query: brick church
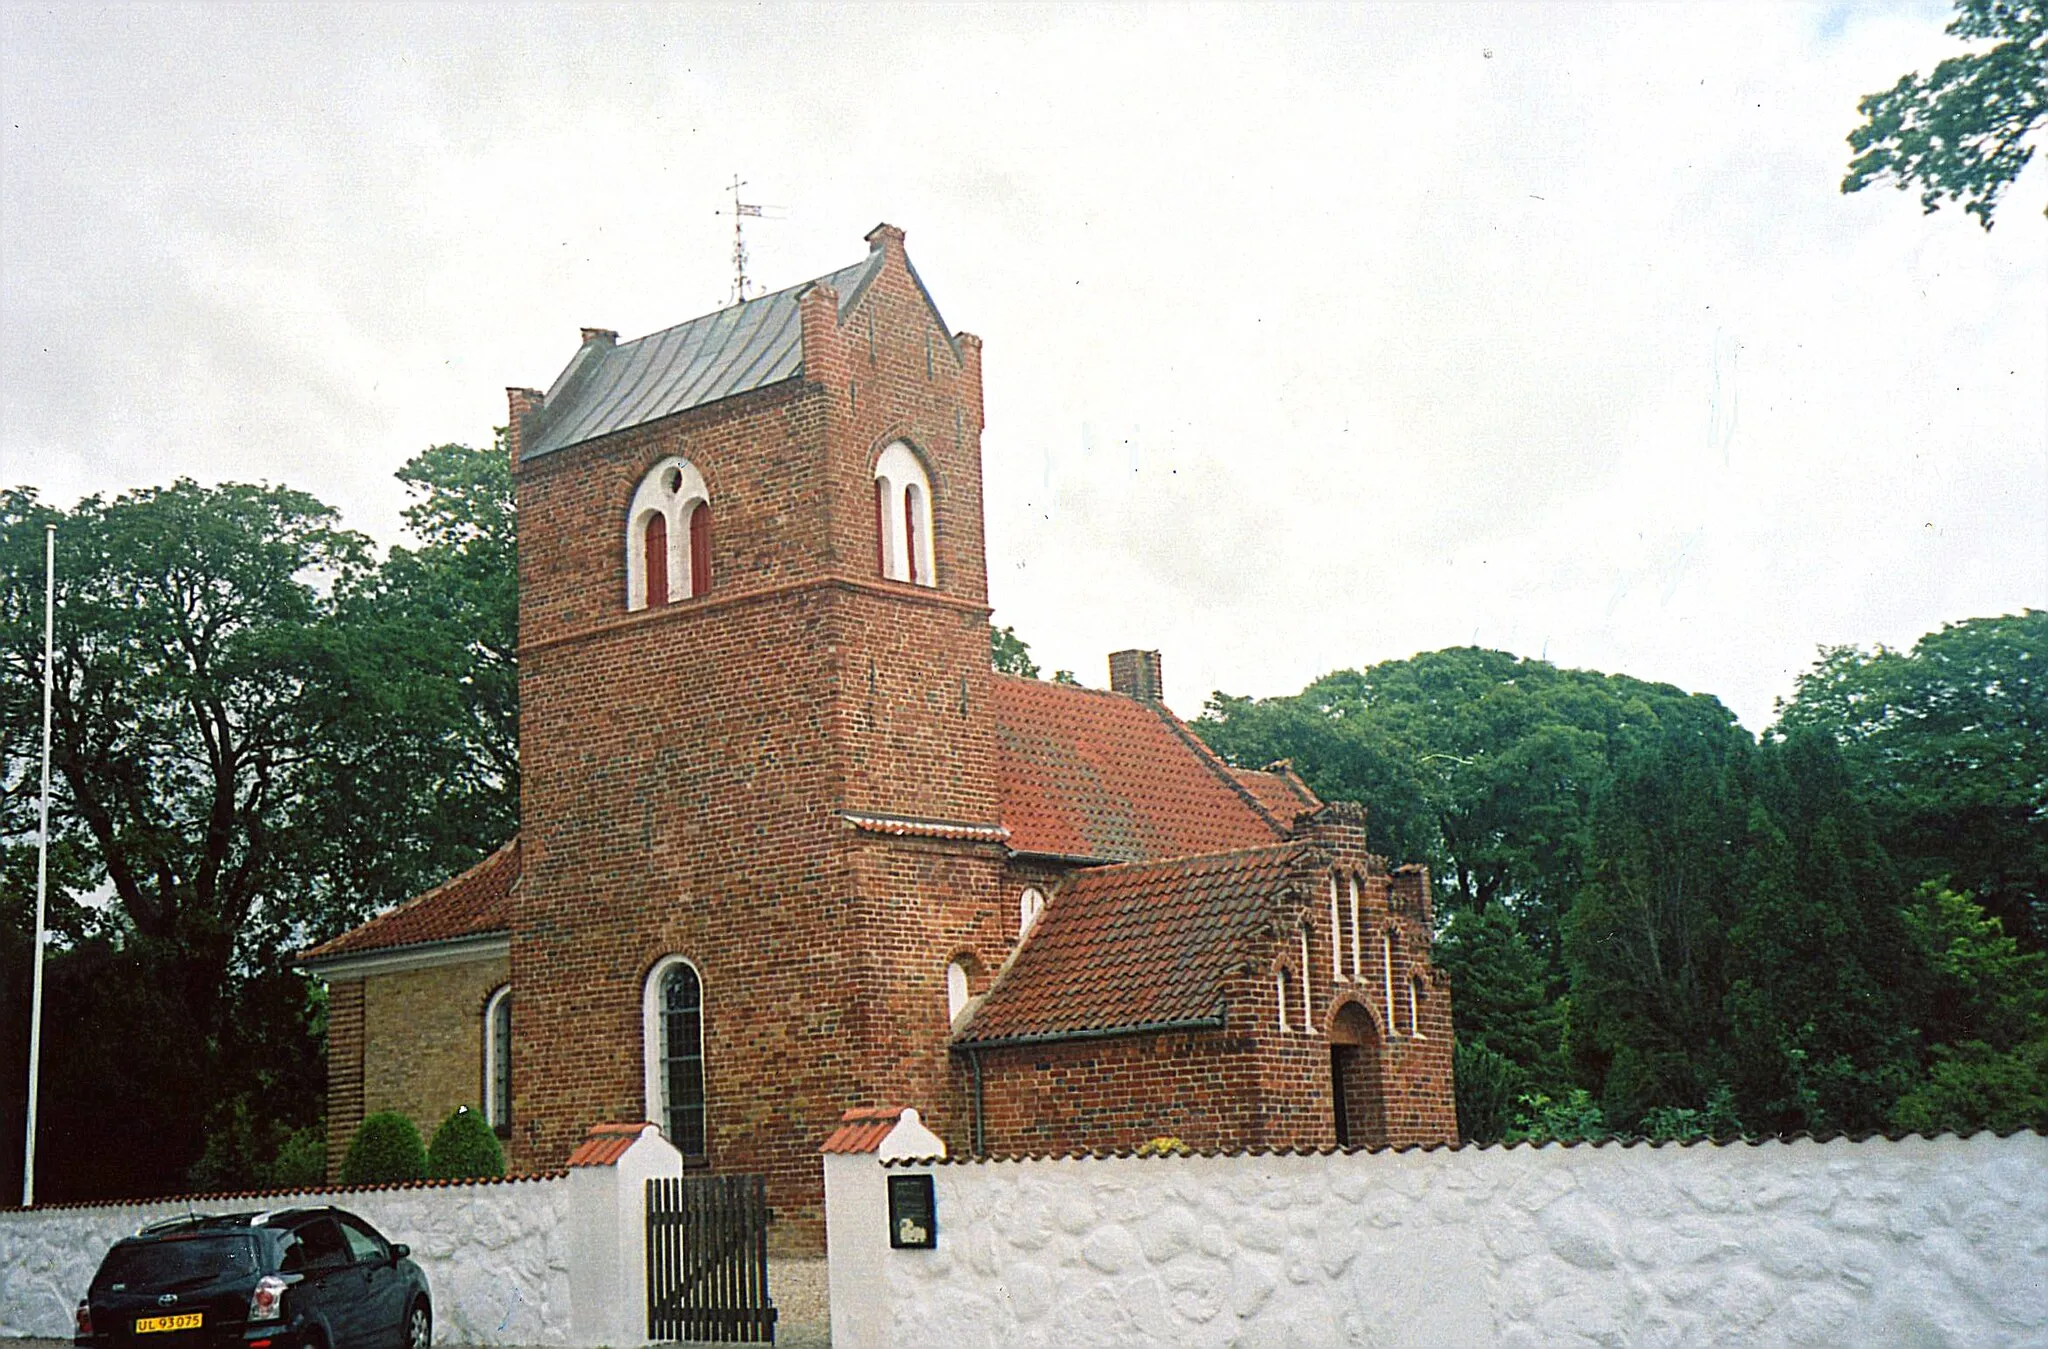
789, 845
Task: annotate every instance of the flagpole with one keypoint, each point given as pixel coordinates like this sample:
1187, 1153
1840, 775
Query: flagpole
35, 1012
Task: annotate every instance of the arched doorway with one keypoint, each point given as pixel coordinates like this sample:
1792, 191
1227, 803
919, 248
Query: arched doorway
1355, 1098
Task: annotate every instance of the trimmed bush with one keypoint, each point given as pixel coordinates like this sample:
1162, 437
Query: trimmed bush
386, 1148
464, 1148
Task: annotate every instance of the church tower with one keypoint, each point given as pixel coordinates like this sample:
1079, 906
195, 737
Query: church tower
759, 808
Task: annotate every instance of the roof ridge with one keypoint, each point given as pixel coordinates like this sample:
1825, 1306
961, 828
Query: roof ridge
1214, 762
1276, 846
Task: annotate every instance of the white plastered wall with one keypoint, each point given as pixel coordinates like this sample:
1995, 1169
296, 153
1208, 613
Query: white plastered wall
1918, 1241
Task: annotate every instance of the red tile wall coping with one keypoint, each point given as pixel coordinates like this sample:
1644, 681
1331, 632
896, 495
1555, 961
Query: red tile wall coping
1747, 1140
319, 1192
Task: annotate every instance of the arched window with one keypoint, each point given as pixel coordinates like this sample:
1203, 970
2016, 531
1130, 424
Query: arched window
1029, 905
903, 518
1415, 1007
668, 536
672, 1027
956, 991
1337, 931
1387, 975
498, 1061
1308, 1016
1282, 984
1357, 936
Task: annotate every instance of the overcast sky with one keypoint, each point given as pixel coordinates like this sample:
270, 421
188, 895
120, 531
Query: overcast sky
1315, 337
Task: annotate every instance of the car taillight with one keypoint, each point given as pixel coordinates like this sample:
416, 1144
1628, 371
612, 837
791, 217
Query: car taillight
85, 1318
267, 1302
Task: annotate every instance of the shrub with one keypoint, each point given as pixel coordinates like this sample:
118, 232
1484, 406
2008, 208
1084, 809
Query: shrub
386, 1148
1486, 1085
464, 1148
301, 1161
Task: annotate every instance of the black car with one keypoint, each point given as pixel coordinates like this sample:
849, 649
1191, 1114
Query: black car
306, 1278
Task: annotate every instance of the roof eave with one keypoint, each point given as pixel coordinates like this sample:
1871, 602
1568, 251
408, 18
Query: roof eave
415, 956
1215, 1021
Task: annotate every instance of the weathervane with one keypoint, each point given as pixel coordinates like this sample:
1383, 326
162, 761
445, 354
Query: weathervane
741, 211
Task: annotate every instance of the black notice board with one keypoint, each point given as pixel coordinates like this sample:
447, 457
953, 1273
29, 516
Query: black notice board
913, 1214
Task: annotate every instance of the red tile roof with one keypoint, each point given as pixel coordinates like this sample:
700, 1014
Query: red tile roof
862, 1130
476, 902
1142, 945
1083, 773
606, 1143
1279, 789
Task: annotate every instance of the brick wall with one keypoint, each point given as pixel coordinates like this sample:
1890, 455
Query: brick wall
423, 1034
344, 1069
684, 767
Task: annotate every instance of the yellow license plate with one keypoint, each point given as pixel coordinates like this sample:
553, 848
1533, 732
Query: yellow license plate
182, 1321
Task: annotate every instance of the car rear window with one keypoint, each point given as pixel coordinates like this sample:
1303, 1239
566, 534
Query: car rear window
170, 1261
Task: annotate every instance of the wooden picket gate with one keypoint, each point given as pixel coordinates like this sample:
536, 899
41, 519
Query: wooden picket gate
707, 1260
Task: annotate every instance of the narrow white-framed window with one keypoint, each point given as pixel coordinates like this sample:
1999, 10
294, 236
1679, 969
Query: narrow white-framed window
1336, 936
903, 518
498, 1061
956, 991
668, 536
1415, 1007
1357, 935
672, 1040
1387, 973
1282, 994
1029, 905
1308, 1019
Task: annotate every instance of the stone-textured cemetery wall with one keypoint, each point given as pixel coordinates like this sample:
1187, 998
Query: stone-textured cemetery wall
1916, 1241
496, 1253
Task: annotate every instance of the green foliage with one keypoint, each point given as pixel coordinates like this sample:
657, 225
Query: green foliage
301, 1161
1572, 1118
1682, 1124
1961, 133
1010, 653
260, 735
464, 1147
1973, 1086
1488, 1085
1947, 746
1501, 999
386, 1148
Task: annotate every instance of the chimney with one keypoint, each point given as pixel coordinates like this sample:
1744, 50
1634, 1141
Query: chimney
522, 403
605, 335
1135, 674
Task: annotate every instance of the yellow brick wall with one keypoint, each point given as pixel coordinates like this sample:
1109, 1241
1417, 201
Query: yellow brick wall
423, 1048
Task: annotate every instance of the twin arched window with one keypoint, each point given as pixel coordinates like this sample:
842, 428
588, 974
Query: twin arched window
903, 518
672, 1028
668, 536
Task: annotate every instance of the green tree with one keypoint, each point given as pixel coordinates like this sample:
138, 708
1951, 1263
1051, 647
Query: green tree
1962, 133
1647, 938
1819, 964
1948, 746
1009, 653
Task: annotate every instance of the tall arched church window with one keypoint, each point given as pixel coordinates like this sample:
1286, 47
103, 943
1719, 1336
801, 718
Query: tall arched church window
668, 536
498, 1061
903, 518
673, 1031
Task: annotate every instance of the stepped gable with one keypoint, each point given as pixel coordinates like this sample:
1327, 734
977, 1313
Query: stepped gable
1143, 946
1101, 776
474, 903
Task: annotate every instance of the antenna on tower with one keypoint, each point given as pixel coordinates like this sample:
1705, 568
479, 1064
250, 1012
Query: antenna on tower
741, 211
